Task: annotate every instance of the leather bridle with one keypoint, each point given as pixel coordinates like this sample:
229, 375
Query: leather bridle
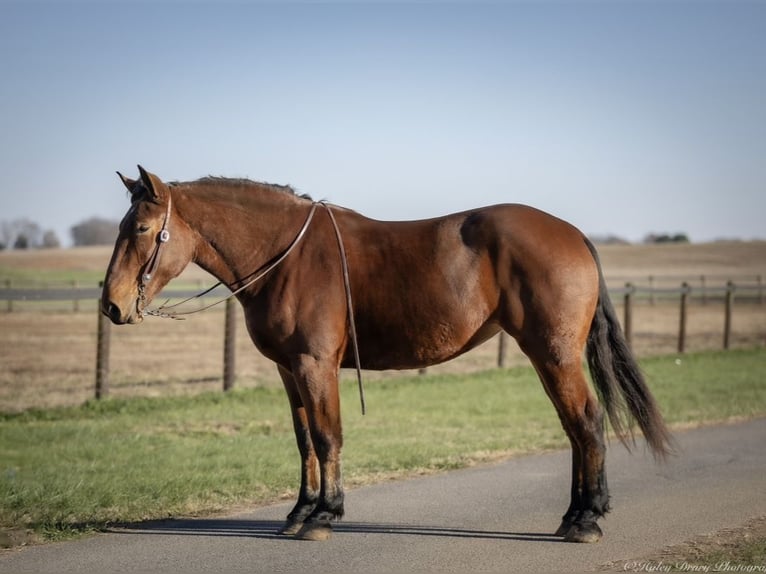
154, 259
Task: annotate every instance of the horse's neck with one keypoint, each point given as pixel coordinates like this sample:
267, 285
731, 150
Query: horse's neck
235, 238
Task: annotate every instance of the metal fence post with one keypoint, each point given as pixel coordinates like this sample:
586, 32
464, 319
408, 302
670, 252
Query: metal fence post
102, 352
229, 345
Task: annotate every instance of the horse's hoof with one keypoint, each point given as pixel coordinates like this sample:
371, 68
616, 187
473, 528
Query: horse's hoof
291, 528
315, 531
584, 532
566, 526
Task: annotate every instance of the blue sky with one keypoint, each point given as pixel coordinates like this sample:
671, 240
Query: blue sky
623, 118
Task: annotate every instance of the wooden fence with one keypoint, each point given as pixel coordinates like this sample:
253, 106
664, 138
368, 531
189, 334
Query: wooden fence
645, 290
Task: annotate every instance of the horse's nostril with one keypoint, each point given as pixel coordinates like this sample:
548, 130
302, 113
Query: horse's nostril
112, 311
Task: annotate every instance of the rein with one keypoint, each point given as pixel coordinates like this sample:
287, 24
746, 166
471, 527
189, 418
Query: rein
162, 311
352, 323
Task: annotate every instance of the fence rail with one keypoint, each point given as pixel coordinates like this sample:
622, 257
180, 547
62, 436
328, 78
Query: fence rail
647, 286
631, 294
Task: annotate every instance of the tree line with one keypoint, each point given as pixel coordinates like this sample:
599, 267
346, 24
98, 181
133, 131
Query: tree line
24, 233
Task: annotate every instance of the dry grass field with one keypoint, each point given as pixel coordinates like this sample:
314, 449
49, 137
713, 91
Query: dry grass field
48, 351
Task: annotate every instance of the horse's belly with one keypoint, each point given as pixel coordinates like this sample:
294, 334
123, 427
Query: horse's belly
412, 349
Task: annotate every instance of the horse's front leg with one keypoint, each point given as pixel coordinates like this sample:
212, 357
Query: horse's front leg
310, 477
317, 383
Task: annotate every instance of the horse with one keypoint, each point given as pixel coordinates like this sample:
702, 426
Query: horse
423, 292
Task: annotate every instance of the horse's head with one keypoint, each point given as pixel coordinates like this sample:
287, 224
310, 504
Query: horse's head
153, 246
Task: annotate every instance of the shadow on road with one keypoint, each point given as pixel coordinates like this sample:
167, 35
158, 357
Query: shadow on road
267, 529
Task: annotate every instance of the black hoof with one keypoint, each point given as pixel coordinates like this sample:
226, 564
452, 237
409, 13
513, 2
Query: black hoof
562, 530
291, 528
315, 531
584, 532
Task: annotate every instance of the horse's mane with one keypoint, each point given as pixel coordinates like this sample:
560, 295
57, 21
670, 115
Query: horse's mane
242, 182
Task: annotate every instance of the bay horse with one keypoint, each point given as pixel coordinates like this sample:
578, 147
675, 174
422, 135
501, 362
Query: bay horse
423, 293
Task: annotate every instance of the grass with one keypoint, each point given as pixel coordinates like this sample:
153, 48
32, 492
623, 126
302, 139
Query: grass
709, 386
37, 277
69, 469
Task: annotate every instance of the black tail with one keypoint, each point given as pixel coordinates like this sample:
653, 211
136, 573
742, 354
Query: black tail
618, 380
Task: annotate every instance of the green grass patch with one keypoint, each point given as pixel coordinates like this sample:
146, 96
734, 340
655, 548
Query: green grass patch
711, 386
22, 277
71, 469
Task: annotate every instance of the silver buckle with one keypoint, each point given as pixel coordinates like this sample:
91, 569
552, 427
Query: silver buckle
164, 236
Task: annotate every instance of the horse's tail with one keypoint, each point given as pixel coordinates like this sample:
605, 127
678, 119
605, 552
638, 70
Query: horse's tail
618, 380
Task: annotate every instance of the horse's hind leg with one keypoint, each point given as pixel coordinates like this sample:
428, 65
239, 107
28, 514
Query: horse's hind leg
310, 479
582, 419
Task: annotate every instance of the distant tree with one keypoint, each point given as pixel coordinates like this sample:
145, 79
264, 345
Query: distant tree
20, 234
6, 234
609, 240
21, 242
94, 231
667, 238
51, 240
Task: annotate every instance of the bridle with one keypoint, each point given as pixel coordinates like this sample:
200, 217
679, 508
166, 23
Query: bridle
154, 260
165, 310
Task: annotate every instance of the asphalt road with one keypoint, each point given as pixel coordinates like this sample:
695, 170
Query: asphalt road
495, 518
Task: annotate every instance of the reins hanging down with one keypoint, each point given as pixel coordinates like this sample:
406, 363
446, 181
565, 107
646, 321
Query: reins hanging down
352, 322
165, 311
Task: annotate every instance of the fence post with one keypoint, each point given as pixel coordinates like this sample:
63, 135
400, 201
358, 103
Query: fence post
759, 280
229, 345
727, 317
651, 289
10, 300
102, 351
502, 346
75, 300
628, 322
703, 284
685, 290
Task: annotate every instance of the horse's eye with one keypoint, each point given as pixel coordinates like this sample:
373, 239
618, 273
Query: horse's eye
142, 228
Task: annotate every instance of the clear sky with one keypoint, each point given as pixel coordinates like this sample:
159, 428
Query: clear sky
622, 117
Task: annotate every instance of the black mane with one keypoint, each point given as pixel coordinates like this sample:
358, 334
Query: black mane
243, 182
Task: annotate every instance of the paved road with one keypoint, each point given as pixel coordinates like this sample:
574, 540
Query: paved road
490, 519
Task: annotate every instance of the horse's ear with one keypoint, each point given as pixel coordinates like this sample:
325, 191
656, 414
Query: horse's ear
153, 184
127, 182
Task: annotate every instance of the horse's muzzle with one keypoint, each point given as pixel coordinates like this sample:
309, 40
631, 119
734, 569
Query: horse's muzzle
116, 316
